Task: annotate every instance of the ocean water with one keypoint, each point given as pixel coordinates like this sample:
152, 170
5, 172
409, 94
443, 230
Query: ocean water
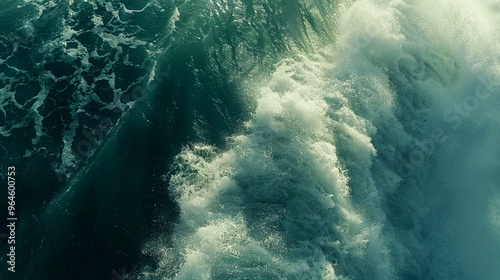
238, 139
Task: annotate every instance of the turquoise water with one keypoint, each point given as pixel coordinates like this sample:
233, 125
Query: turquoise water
252, 139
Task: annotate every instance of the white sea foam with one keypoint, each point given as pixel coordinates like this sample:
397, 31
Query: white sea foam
318, 188
64, 42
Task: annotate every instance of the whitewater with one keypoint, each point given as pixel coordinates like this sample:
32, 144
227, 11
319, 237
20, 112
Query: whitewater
375, 156
239, 139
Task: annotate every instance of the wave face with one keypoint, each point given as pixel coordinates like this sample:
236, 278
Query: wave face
270, 139
373, 157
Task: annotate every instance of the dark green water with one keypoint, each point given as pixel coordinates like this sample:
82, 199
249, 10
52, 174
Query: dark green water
106, 93
238, 139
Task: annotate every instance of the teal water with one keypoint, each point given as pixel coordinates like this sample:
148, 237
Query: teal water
252, 139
